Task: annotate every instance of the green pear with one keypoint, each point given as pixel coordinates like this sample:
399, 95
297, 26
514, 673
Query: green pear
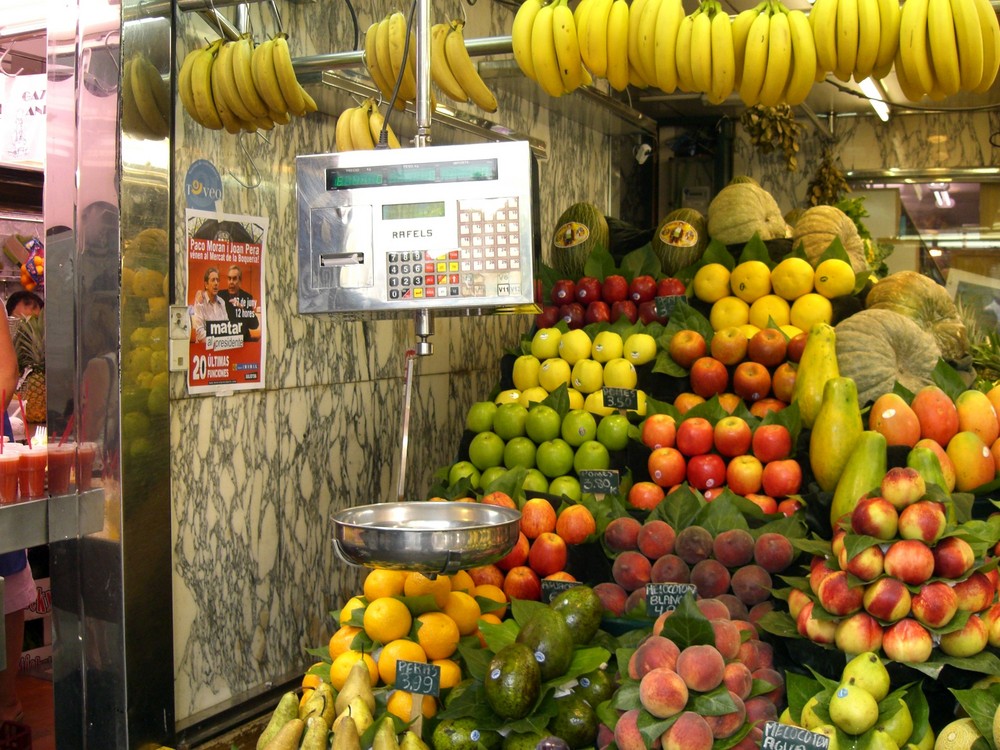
346, 736
412, 741
808, 718
830, 732
385, 736
358, 683
868, 672
320, 703
881, 740
286, 710
288, 736
853, 709
899, 725
316, 735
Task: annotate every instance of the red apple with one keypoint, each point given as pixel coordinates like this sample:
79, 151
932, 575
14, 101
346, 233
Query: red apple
641, 289
783, 381
771, 442
667, 466
732, 436
695, 436
687, 401
887, 599
909, 560
907, 640
924, 520
670, 287
729, 345
573, 314
768, 347
751, 381
588, 289
686, 346
548, 317
902, 486
782, 478
875, 516
614, 289
625, 308
934, 604
796, 346
953, 558
658, 431
648, 314
761, 408
706, 471
744, 475
563, 292
708, 377
790, 506
597, 312
767, 504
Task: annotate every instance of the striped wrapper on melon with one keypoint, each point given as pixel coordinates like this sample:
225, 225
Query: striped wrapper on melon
680, 239
581, 228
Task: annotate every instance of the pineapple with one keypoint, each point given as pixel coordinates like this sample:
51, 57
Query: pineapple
29, 343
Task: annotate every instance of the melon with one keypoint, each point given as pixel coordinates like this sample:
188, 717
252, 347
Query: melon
581, 228
680, 239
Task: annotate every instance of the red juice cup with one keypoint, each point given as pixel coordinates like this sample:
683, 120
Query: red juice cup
85, 455
61, 459
31, 472
9, 461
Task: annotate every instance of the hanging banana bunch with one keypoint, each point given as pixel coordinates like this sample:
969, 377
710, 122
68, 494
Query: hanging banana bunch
778, 55
547, 45
145, 100
360, 128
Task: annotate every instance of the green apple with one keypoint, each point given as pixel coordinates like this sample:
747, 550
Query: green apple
554, 458
620, 373
508, 422
613, 431
578, 426
607, 345
587, 375
542, 424
525, 374
464, 469
566, 485
492, 474
480, 416
519, 451
535, 481
553, 373
486, 450
545, 343
640, 348
591, 456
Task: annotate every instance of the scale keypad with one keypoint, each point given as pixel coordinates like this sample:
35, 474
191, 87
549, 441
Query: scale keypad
487, 261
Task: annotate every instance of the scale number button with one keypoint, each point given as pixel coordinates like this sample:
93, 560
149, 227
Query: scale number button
393, 294
429, 291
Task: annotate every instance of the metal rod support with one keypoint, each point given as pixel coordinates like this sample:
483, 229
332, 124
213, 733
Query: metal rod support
490, 45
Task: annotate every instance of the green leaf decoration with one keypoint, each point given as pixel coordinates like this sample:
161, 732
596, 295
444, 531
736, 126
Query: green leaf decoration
716, 702
798, 689
599, 264
721, 514
685, 317
652, 728
716, 252
558, 400
475, 659
683, 508
661, 407
799, 251
920, 711
687, 626
981, 706
903, 392
858, 543
666, 366
778, 623
835, 251
548, 276
510, 482
641, 262
496, 636
755, 249
523, 609
627, 694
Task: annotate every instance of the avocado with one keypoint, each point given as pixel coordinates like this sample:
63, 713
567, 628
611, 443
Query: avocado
523, 740
595, 687
582, 610
549, 638
513, 681
575, 722
464, 734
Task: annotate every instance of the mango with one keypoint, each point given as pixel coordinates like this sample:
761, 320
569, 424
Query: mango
895, 420
937, 414
972, 459
976, 414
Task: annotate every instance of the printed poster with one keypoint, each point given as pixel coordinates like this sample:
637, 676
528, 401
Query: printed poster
225, 300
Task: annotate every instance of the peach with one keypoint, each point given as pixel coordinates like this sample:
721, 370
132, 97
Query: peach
887, 599
759, 610
656, 539
627, 735
858, 633
975, 593
902, 486
733, 547
976, 414
622, 534
875, 516
689, 732
936, 413
738, 679
819, 569
711, 577
934, 604
605, 736
994, 636
995, 451
953, 558
712, 608
969, 640
771, 677
867, 565
612, 597
751, 741
636, 601
909, 560
763, 654
702, 667
631, 570
797, 599
924, 520
838, 596
761, 709
737, 609
693, 544
816, 630
653, 653
751, 584
773, 552
670, 569
907, 640
727, 638
893, 417
972, 459
947, 466
662, 692
726, 725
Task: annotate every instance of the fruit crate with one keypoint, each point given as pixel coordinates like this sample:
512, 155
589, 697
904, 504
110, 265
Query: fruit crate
14, 736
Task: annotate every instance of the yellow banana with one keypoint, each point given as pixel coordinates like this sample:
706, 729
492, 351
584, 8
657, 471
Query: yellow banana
279, 118
803, 72
969, 37
266, 79
847, 38
230, 121
465, 70
646, 62
682, 55
701, 52
741, 29
779, 60
869, 33
888, 43
618, 45
375, 124
440, 72
201, 87
723, 58
755, 59
243, 77
520, 35
567, 46
581, 17
398, 34
150, 97
668, 22
944, 50
911, 91
184, 84
291, 91
342, 133
635, 78
543, 53
597, 37
132, 122
990, 29
371, 62
913, 48
823, 19
361, 134
223, 70
634, 16
384, 61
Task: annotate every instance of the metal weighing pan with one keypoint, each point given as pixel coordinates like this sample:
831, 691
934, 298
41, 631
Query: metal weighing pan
438, 538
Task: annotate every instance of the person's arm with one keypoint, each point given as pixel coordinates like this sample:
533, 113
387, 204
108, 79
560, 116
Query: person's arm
198, 322
8, 361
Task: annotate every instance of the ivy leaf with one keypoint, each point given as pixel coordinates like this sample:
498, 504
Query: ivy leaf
716, 252
721, 514
599, 264
641, 262
798, 689
687, 626
559, 400
685, 317
780, 624
755, 249
836, 251
682, 509
548, 276
716, 702
981, 705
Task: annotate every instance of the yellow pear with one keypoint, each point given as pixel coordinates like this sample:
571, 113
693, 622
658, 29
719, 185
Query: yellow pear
358, 682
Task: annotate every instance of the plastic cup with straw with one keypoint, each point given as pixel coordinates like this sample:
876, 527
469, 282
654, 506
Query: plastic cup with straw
8, 467
31, 466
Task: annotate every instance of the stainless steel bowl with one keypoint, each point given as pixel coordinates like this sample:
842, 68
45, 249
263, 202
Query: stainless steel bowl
429, 537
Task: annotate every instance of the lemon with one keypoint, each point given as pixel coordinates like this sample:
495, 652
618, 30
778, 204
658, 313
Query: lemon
534, 395
620, 373
711, 282
834, 278
607, 345
809, 309
510, 396
749, 330
525, 373
729, 311
768, 307
792, 278
575, 398
574, 346
553, 373
545, 343
750, 280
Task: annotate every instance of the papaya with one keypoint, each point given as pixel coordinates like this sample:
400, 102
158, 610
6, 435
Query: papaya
926, 462
835, 431
863, 473
817, 365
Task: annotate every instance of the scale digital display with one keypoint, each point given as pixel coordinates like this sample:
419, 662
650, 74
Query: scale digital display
429, 173
429, 210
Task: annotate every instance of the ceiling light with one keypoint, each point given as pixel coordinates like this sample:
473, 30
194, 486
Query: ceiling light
943, 199
876, 98
935, 252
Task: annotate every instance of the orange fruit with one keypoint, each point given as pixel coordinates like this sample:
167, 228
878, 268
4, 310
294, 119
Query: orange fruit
494, 593
462, 581
341, 667
311, 681
417, 584
381, 583
387, 619
341, 640
575, 524
392, 652
464, 610
355, 602
437, 634
400, 704
306, 695
451, 673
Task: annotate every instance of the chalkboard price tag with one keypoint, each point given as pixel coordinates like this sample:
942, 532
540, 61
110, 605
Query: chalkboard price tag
416, 677
779, 736
665, 305
552, 589
664, 597
598, 482
620, 398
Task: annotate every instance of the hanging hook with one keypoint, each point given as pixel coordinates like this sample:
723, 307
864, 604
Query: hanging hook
276, 14
3, 57
253, 165
106, 46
